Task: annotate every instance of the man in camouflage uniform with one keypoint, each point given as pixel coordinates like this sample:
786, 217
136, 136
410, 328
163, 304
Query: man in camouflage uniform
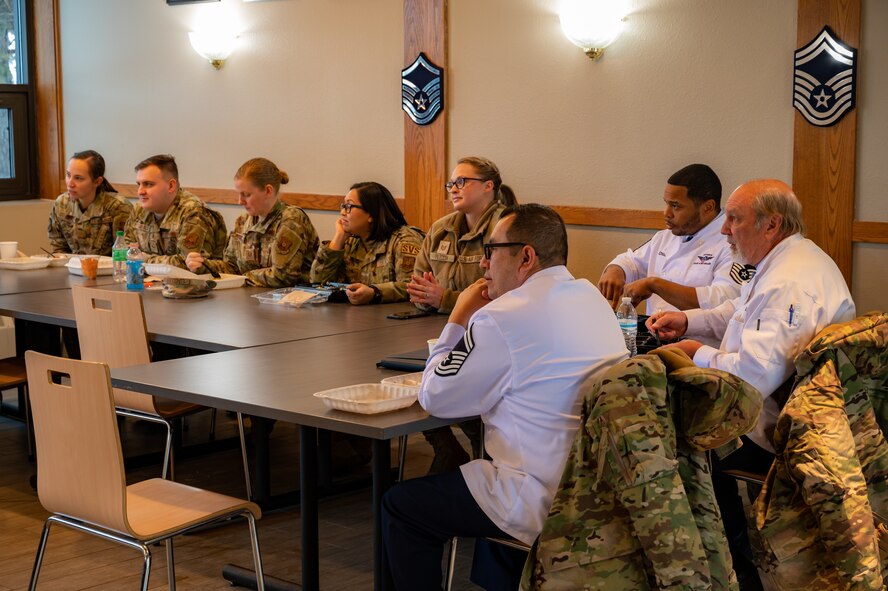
635, 509
85, 218
814, 517
275, 251
385, 265
169, 222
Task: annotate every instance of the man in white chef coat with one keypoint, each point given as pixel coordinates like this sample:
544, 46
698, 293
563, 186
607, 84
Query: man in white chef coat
518, 345
687, 265
797, 290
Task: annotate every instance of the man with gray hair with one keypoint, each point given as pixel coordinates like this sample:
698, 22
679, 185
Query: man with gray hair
796, 292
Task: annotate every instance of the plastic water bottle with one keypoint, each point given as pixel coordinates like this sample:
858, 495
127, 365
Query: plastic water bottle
118, 255
135, 269
628, 320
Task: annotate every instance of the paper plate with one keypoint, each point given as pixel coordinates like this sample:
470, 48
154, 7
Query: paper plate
24, 263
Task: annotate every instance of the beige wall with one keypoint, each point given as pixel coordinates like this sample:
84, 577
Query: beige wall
314, 86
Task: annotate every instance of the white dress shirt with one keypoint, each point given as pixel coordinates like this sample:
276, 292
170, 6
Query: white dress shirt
796, 292
520, 366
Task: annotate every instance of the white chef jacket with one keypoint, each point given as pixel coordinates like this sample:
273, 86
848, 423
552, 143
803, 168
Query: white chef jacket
762, 337
703, 262
519, 366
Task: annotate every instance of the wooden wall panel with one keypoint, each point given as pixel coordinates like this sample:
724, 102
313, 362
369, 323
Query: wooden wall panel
48, 102
824, 158
425, 146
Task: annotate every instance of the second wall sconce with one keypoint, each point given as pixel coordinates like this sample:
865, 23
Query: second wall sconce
592, 25
215, 47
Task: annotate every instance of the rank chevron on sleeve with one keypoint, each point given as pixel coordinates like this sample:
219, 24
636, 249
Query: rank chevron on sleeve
454, 361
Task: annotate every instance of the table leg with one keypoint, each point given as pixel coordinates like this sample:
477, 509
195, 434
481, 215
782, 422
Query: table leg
382, 471
308, 506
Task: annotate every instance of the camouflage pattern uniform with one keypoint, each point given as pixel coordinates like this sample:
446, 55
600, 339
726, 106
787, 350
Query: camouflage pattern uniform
814, 516
387, 264
635, 509
452, 253
273, 252
91, 231
187, 226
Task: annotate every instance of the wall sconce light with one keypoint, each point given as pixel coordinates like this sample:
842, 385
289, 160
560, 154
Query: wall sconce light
215, 47
592, 25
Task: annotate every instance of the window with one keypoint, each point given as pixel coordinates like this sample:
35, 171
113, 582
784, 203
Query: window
17, 170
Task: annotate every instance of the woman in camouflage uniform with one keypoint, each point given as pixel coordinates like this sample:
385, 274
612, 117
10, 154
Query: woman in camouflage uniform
373, 249
272, 244
449, 262
84, 219
449, 258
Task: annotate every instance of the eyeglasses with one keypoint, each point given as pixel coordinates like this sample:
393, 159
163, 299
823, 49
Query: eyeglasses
488, 248
460, 182
348, 207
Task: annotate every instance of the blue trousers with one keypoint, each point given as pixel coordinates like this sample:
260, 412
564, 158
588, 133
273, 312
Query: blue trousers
420, 515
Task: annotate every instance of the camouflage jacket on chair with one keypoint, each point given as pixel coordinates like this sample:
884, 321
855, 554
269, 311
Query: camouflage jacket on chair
814, 517
635, 509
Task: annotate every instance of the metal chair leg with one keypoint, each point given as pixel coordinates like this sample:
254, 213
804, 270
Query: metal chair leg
243, 443
146, 567
212, 424
171, 565
168, 453
402, 456
451, 564
38, 560
257, 557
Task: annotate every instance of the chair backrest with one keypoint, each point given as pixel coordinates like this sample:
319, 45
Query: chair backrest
80, 465
111, 329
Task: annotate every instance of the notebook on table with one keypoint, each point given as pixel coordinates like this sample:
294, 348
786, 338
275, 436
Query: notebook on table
409, 361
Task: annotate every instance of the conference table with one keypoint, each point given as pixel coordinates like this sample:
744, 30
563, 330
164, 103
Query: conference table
268, 361
225, 320
50, 278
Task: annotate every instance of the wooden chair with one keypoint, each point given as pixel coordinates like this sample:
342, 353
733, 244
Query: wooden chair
451, 559
81, 476
12, 375
111, 329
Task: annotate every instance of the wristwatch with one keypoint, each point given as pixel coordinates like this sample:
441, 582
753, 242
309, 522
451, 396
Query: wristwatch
377, 295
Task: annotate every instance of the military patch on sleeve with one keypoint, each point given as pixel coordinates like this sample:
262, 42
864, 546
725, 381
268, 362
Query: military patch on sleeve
453, 362
742, 273
191, 240
409, 249
283, 245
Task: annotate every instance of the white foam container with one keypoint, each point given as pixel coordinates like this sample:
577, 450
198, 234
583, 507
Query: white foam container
368, 399
407, 380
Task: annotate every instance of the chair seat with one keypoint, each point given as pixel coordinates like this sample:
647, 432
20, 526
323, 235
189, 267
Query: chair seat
173, 409
12, 373
157, 507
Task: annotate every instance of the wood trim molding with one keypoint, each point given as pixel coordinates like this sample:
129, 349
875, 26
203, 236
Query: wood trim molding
825, 158
610, 217
870, 232
48, 101
425, 146
229, 197
573, 215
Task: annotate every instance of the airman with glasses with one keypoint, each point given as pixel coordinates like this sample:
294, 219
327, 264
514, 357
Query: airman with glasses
372, 249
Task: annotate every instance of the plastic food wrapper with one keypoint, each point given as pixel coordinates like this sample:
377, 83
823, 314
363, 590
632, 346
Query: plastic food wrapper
295, 297
178, 289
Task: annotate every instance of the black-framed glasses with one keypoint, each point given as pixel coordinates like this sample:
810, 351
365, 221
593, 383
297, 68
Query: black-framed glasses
460, 182
348, 207
488, 248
